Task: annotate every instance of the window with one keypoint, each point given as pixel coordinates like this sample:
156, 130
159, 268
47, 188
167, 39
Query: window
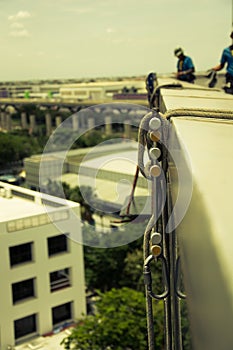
61, 313
25, 326
57, 244
59, 279
23, 290
21, 253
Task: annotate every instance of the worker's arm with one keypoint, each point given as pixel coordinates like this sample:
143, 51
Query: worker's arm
218, 67
187, 71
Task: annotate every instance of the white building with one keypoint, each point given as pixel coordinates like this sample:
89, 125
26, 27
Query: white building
41, 269
100, 90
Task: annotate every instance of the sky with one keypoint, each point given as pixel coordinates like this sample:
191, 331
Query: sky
59, 39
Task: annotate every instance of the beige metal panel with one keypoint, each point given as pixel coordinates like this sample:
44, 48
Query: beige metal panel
204, 149
192, 96
179, 99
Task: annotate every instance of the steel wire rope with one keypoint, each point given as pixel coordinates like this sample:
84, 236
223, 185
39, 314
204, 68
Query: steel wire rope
143, 142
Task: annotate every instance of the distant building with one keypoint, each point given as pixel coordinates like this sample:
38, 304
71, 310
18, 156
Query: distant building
41, 269
106, 159
70, 89
100, 90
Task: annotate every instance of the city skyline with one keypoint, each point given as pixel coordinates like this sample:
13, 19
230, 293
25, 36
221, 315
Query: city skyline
78, 39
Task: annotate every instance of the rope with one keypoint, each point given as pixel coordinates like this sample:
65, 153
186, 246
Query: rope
199, 112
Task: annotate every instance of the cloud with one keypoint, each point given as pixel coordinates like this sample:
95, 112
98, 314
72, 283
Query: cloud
19, 15
20, 33
17, 25
17, 28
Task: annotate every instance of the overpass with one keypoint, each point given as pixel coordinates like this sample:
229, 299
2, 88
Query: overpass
58, 103
53, 106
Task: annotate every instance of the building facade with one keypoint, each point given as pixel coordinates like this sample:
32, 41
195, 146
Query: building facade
41, 267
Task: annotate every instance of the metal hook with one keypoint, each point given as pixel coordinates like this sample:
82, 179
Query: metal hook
148, 278
178, 280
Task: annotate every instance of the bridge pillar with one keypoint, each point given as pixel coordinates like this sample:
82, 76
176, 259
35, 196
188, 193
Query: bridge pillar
108, 125
91, 123
3, 120
48, 123
58, 120
75, 122
32, 119
8, 122
82, 117
127, 129
24, 122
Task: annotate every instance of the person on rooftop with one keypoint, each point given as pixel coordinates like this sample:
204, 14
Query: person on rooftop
227, 58
185, 66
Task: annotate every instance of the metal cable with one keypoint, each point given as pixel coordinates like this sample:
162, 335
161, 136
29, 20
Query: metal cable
149, 306
156, 93
142, 141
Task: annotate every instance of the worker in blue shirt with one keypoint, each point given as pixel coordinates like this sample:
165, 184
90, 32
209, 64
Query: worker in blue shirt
227, 58
185, 66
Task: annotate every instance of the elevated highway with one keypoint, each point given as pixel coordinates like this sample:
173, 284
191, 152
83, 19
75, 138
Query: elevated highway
57, 103
53, 107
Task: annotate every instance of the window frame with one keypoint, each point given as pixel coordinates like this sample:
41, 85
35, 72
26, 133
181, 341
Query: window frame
53, 250
15, 287
24, 334
63, 282
56, 320
16, 258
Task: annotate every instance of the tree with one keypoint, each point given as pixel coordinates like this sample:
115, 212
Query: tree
106, 268
119, 324
83, 195
14, 147
132, 275
74, 194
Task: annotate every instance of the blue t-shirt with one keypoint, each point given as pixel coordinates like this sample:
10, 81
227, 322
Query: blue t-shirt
185, 64
227, 57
